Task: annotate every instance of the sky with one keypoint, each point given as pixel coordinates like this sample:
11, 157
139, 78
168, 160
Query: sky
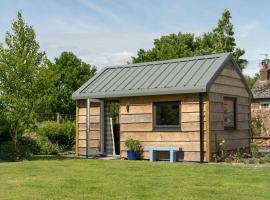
109, 32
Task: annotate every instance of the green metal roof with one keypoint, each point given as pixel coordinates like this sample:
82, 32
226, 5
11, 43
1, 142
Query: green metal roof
185, 75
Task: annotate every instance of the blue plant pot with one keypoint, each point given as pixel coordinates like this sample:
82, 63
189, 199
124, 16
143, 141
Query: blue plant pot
131, 155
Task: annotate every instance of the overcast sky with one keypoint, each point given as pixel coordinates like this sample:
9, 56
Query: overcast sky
109, 32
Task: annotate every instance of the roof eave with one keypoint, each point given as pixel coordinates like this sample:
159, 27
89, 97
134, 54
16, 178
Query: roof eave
106, 95
267, 97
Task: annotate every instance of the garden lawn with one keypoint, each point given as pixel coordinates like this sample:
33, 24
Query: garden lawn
117, 179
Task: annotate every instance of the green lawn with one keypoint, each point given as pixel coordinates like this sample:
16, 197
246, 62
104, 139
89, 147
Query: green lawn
116, 179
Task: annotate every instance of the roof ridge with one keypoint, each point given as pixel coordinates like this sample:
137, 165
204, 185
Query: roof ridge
217, 55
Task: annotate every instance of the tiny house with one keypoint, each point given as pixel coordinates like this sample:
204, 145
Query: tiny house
190, 103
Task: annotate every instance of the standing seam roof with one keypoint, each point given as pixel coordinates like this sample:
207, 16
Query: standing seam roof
186, 75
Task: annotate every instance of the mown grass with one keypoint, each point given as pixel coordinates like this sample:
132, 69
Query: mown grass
115, 179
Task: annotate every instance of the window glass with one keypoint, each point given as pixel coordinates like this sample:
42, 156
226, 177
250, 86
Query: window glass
229, 113
166, 114
264, 105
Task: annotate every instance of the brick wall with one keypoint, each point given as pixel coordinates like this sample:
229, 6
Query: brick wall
263, 114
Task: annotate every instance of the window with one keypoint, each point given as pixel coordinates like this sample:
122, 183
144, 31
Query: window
229, 113
166, 116
264, 105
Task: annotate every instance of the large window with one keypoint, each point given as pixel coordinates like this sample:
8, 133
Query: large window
229, 113
166, 115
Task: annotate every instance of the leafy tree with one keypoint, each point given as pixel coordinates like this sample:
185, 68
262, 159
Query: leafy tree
72, 72
252, 80
168, 47
24, 78
220, 39
224, 40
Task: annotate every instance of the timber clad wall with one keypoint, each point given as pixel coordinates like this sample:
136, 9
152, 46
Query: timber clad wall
138, 124
94, 127
229, 84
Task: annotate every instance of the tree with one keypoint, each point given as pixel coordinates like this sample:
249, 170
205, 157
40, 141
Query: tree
251, 80
224, 40
72, 72
24, 78
168, 47
219, 40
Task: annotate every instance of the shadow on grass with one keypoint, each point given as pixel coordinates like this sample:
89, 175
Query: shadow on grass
50, 157
38, 157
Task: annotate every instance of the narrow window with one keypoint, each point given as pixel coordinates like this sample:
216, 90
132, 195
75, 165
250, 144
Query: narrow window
229, 113
166, 116
264, 105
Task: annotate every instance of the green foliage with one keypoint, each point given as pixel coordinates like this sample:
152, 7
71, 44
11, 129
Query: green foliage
256, 126
220, 153
61, 134
252, 161
41, 145
115, 112
26, 147
251, 80
219, 40
7, 151
32, 88
133, 145
5, 134
237, 156
24, 79
266, 158
262, 161
254, 150
71, 73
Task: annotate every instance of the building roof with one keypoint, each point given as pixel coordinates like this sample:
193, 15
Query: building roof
261, 89
185, 75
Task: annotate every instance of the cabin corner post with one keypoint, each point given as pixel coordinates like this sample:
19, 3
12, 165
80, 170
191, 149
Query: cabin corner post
87, 127
207, 129
201, 110
102, 127
77, 130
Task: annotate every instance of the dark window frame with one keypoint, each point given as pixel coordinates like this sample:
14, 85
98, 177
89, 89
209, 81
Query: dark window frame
234, 113
166, 127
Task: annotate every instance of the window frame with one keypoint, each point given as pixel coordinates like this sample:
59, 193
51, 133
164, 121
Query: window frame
166, 127
264, 102
234, 113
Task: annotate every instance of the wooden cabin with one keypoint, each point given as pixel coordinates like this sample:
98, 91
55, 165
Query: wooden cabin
190, 103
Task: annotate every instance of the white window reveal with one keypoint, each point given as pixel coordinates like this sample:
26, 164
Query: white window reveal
264, 105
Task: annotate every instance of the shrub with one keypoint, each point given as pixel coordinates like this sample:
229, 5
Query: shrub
252, 161
5, 134
133, 145
256, 126
262, 161
237, 156
267, 158
220, 154
59, 134
228, 160
7, 151
26, 147
43, 145
254, 149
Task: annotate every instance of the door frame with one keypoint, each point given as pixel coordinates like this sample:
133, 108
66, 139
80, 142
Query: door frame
102, 115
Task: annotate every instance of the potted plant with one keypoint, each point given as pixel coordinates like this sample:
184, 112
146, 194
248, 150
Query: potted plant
133, 147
